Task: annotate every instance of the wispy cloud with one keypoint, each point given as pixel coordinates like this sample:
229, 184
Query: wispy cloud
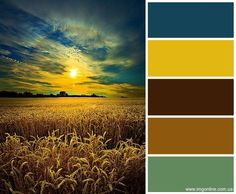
42, 41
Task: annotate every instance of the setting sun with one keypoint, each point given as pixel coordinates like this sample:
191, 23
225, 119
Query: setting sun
73, 73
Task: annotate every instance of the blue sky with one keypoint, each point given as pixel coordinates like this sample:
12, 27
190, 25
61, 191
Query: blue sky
81, 46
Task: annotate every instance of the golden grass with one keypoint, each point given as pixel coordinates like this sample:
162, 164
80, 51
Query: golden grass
70, 145
121, 119
70, 163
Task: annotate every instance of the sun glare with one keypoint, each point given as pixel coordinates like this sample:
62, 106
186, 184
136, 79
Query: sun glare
73, 73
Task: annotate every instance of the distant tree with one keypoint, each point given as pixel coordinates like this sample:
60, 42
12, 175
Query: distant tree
39, 95
63, 94
27, 94
8, 94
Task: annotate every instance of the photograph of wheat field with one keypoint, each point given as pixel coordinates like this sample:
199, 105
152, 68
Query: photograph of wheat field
72, 106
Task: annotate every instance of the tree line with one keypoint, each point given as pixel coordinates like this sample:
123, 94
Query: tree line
31, 95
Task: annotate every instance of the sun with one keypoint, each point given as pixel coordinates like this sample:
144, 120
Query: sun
73, 73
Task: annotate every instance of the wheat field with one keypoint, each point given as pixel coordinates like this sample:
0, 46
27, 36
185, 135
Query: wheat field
72, 145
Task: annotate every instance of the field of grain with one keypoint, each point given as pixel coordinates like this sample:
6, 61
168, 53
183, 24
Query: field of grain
72, 145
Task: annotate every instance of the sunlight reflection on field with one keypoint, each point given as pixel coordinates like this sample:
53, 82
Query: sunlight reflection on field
120, 118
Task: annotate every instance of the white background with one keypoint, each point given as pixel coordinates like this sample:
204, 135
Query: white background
223, 116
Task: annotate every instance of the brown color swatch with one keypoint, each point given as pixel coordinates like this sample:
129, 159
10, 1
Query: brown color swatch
190, 97
190, 135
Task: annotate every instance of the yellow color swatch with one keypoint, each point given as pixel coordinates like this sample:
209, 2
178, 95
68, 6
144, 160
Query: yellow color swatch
190, 58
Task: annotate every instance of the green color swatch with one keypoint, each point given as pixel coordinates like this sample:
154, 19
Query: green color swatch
175, 174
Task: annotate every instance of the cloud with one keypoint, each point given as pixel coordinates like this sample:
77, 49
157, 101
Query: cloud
129, 90
44, 40
106, 80
113, 68
29, 81
52, 67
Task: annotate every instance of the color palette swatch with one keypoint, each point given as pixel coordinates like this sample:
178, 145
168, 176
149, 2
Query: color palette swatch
184, 20
190, 136
190, 58
176, 174
190, 96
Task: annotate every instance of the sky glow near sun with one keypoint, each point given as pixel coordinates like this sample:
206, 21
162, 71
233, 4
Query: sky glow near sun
73, 73
49, 46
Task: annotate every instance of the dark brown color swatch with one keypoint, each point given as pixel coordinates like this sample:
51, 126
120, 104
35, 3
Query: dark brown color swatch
190, 97
190, 135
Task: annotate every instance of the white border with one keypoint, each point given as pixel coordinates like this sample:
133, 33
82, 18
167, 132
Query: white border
146, 92
190, 155
189, 1
190, 116
185, 77
207, 39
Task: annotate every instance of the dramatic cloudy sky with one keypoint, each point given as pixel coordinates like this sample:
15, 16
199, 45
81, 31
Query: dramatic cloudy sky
80, 46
